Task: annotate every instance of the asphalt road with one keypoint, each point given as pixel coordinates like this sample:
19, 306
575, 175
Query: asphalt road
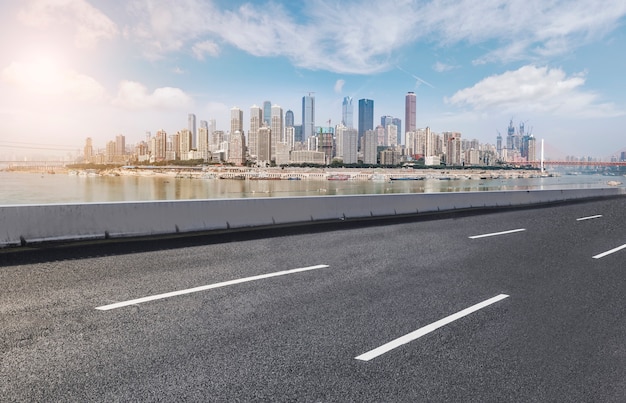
557, 331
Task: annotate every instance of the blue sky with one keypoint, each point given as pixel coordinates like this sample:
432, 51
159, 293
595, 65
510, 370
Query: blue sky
70, 69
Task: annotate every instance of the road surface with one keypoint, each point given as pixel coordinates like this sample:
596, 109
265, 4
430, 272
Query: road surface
520, 305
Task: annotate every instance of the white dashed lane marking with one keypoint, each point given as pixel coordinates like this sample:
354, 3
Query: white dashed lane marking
207, 287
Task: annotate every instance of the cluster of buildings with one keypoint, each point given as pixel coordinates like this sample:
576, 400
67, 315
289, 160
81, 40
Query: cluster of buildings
274, 138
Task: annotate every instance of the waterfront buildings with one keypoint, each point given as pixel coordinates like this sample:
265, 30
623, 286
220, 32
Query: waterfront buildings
282, 136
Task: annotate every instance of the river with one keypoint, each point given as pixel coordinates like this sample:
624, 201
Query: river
32, 188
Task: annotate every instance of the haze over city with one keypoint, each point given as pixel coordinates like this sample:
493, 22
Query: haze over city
75, 69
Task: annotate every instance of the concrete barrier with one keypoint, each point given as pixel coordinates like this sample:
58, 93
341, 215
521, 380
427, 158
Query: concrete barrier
23, 224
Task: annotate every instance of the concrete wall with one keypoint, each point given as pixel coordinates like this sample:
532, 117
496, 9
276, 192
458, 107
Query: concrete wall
53, 222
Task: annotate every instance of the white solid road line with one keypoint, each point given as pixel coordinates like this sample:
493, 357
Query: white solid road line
589, 218
427, 329
497, 233
207, 287
608, 252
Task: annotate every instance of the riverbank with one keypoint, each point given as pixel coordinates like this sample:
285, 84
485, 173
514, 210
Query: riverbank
320, 174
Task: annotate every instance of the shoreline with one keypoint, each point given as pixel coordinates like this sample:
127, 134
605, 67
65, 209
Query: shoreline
320, 174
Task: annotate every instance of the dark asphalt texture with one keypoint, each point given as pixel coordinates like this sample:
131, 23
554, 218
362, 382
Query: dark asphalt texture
560, 336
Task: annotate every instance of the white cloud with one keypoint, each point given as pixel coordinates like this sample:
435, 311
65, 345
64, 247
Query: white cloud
90, 24
201, 49
364, 37
534, 89
339, 86
44, 78
134, 95
440, 67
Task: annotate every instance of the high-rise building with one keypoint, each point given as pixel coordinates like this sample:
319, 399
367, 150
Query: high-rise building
264, 145
298, 136
452, 142
160, 146
290, 136
370, 148
410, 112
308, 116
236, 120
391, 134
347, 112
326, 145
349, 140
256, 122
386, 120
185, 139
237, 148
267, 112
398, 123
289, 118
203, 141
366, 117
191, 125
277, 127
109, 153
88, 150
120, 144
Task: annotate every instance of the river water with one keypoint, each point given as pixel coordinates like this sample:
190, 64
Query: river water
32, 188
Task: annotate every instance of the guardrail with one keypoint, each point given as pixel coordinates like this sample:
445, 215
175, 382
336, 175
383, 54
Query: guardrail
24, 224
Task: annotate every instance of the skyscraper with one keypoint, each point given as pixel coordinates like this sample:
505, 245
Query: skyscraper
366, 117
236, 120
277, 127
264, 145
410, 112
160, 146
191, 125
289, 120
256, 122
347, 111
88, 150
267, 112
370, 144
308, 117
398, 123
120, 144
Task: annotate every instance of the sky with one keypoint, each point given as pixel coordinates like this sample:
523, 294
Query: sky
72, 69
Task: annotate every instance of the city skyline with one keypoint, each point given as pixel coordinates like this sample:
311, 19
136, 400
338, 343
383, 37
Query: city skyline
98, 69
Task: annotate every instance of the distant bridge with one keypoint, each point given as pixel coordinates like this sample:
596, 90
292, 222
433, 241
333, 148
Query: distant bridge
42, 166
537, 164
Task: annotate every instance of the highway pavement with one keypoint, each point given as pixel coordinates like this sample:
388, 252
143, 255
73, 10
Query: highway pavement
519, 305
